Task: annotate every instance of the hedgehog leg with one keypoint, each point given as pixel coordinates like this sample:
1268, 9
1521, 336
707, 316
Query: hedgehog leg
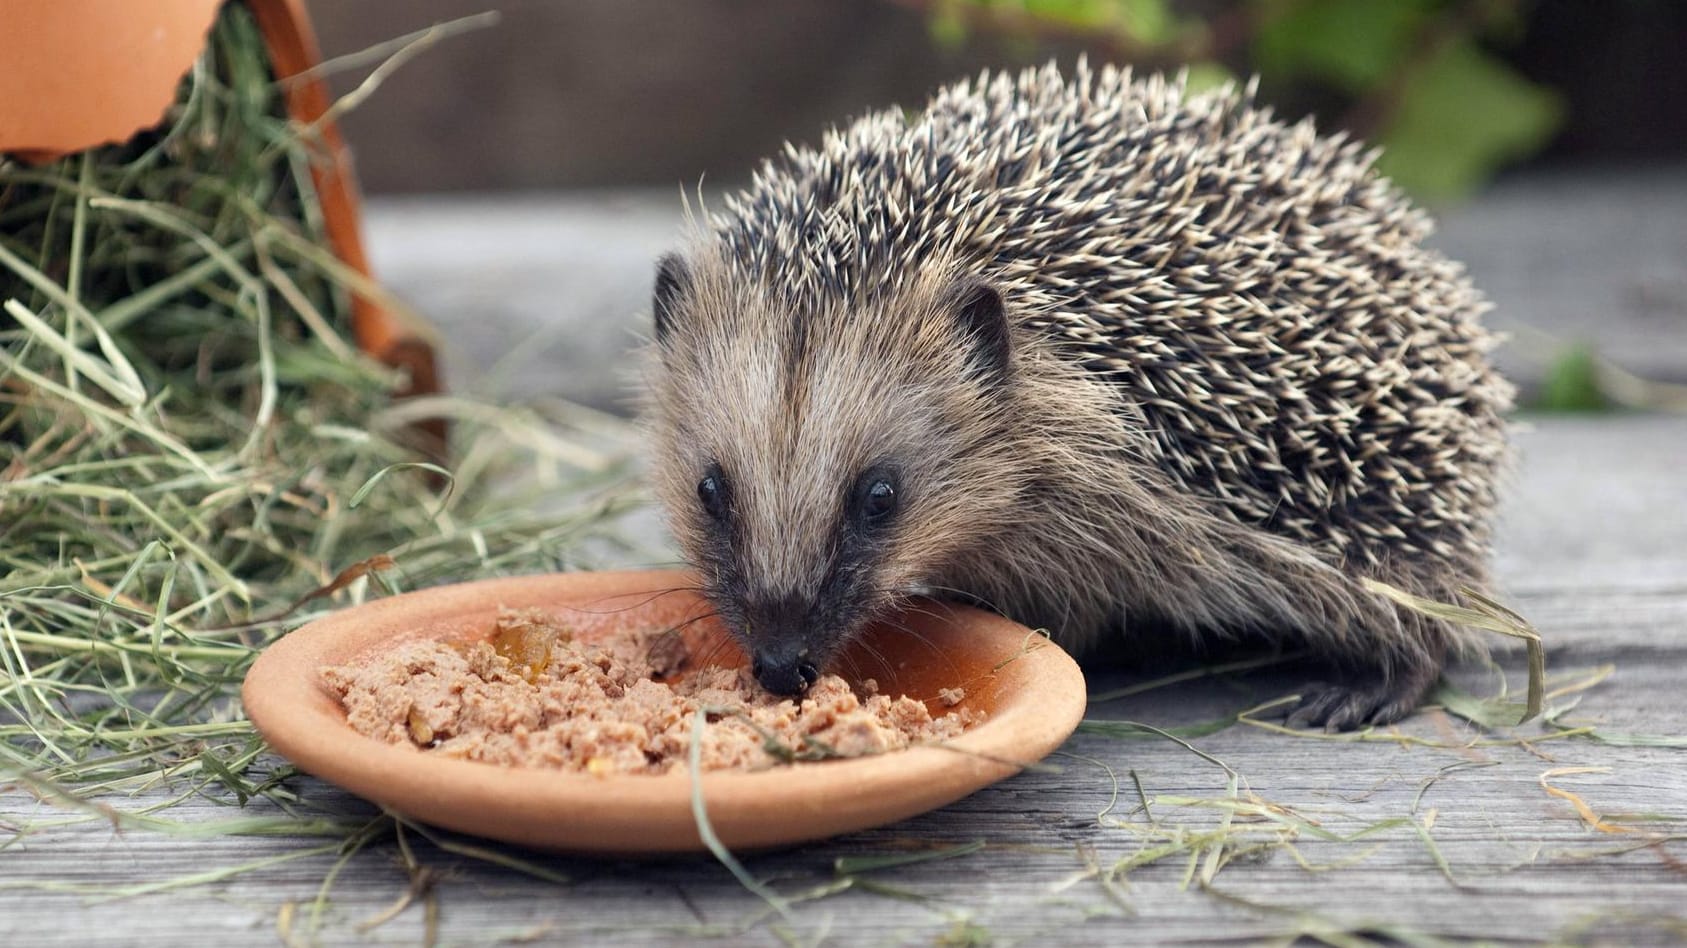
1383, 658
1373, 692
1366, 699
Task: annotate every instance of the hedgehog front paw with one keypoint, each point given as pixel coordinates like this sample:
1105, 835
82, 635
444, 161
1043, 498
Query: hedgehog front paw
1371, 701
1347, 707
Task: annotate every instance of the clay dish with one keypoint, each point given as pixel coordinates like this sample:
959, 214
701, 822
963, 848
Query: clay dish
1032, 691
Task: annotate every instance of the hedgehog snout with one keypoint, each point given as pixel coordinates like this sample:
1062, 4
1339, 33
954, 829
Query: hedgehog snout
783, 672
778, 636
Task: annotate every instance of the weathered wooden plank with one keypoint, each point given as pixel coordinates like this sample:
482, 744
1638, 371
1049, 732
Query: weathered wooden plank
1581, 256
1520, 859
1511, 848
535, 294
562, 279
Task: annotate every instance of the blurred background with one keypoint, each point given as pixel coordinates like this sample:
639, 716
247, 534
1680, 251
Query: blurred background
527, 172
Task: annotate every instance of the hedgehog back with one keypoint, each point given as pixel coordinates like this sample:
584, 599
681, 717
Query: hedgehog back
1257, 295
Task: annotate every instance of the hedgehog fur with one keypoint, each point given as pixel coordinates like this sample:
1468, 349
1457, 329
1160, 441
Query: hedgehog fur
1126, 357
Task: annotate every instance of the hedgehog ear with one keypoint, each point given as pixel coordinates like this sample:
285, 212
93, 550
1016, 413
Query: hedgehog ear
672, 279
983, 319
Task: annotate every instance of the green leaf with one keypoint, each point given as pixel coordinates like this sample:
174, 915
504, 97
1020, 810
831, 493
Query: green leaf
1462, 116
1353, 44
1082, 14
1149, 21
1204, 76
1572, 384
1146, 21
948, 27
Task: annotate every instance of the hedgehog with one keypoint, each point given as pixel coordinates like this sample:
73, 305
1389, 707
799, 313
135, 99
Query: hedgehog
1104, 355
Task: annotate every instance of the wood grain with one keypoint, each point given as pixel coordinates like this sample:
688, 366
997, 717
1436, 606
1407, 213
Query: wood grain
1593, 550
1520, 863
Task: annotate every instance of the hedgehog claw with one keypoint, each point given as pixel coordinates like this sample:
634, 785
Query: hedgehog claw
1331, 707
1365, 703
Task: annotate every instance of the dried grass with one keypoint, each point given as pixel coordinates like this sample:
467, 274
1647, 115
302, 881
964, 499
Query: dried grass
193, 459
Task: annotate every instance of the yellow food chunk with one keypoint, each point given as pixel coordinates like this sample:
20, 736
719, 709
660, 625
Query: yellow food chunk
526, 639
420, 732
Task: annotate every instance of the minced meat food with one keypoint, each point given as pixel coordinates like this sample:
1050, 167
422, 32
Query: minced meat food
530, 696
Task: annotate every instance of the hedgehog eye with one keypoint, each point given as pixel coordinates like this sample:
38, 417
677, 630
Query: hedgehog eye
876, 496
881, 500
711, 492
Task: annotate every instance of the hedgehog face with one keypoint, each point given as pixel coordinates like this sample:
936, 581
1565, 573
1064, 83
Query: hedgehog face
820, 466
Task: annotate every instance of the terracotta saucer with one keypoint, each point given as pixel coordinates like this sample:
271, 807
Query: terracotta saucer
1032, 692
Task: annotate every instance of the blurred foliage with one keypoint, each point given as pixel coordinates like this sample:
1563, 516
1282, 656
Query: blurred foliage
1418, 77
1572, 384
1579, 379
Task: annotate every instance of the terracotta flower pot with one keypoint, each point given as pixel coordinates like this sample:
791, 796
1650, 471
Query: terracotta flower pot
78, 74
83, 73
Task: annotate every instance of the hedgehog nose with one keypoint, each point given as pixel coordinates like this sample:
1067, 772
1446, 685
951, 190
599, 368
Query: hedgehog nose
783, 674
779, 656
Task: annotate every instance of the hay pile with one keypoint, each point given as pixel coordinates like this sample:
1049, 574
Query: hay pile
194, 458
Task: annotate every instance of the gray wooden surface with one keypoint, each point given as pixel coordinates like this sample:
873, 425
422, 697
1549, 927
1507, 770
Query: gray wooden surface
1466, 840
1594, 257
1594, 551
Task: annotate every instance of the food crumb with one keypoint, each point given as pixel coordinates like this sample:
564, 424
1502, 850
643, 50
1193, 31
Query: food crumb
532, 696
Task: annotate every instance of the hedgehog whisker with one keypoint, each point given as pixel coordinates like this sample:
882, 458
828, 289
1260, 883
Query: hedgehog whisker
897, 625
594, 608
964, 596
